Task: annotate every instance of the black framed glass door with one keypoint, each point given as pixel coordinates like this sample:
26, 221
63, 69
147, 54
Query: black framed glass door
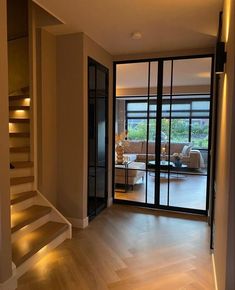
163, 116
97, 137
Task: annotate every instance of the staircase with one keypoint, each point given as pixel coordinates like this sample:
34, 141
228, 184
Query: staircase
36, 225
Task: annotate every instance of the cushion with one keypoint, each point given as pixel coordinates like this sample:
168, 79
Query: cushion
186, 149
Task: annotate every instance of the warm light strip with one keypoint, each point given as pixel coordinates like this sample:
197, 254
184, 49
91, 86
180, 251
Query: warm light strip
227, 18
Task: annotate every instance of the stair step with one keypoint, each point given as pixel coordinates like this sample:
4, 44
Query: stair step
21, 180
31, 243
19, 120
22, 196
19, 107
25, 217
19, 134
18, 97
22, 164
20, 149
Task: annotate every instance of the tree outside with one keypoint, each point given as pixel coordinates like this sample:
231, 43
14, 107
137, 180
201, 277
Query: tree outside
137, 130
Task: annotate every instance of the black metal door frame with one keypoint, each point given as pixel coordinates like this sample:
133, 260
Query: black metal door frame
97, 209
157, 204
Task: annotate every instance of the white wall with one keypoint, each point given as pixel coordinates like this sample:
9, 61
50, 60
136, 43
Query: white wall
47, 118
225, 171
70, 125
18, 62
72, 88
5, 228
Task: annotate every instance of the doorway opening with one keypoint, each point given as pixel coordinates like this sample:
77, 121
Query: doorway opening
162, 132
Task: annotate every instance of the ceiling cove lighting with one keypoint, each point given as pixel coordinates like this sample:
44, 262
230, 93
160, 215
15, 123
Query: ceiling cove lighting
220, 57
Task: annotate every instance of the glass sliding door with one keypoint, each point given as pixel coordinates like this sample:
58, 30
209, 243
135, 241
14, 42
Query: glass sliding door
136, 110
97, 137
185, 121
162, 122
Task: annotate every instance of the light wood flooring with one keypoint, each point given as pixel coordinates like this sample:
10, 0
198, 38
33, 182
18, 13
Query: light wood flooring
185, 190
127, 248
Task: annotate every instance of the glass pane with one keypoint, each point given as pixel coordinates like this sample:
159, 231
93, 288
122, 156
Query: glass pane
97, 105
91, 191
200, 133
137, 129
153, 78
180, 114
180, 130
151, 160
100, 183
192, 76
120, 123
101, 130
140, 106
181, 107
91, 132
165, 137
130, 181
137, 115
187, 178
101, 79
132, 79
91, 80
197, 105
200, 114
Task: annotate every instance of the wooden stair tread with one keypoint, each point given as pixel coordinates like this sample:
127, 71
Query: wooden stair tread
21, 180
22, 196
31, 243
18, 97
22, 164
19, 107
19, 134
19, 120
25, 217
19, 149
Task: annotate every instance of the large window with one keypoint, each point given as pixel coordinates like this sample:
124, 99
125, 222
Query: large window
188, 117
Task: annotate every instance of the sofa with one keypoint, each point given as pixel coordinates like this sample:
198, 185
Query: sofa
131, 174
137, 151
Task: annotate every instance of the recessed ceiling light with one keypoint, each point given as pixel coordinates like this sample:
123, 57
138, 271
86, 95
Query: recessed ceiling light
136, 35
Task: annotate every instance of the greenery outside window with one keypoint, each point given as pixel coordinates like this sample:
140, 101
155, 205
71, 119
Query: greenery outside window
189, 120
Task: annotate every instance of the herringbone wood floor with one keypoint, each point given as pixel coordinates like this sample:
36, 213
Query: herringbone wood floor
126, 248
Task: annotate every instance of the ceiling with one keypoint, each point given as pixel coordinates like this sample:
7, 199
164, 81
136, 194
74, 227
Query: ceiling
165, 25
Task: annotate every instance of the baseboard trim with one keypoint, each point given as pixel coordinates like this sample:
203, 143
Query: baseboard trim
79, 223
110, 201
10, 284
214, 272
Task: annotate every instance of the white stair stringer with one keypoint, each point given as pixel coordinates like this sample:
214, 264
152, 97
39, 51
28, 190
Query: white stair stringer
55, 215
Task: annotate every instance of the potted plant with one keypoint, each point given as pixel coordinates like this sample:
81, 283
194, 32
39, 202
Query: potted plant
177, 159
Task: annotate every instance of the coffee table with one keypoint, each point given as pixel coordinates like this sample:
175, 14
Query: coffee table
168, 166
